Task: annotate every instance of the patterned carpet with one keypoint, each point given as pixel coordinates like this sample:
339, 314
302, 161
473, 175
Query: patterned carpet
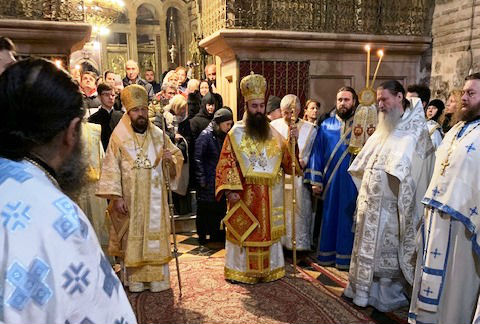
208, 298
336, 280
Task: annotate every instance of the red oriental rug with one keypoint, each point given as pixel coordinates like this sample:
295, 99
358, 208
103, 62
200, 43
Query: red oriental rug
208, 298
341, 279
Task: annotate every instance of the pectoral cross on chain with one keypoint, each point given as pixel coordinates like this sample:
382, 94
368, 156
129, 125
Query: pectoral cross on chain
444, 165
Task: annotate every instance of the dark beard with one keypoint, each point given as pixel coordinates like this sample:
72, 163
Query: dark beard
257, 126
71, 174
344, 114
138, 127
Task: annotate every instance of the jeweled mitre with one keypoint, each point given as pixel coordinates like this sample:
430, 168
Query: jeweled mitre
134, 96
253, 87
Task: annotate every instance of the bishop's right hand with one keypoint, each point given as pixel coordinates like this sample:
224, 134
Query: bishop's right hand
120, 206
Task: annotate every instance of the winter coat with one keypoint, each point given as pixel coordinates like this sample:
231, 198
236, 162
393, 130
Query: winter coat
218, 101
207, 152
143, 83
203, 118
108, 121
91, 102
194, 101
185, 131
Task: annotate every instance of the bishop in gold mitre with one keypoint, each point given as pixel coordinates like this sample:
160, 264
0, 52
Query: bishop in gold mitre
249, 174
132, 178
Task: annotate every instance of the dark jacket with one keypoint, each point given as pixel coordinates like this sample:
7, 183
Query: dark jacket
203, 118
218, 101
143, 83
157, 87
194, 101
107, 121
186, 132
118, 103
188, 153
91, 102
207, 153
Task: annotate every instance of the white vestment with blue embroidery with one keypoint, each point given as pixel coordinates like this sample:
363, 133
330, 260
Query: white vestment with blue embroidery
393, 173
52, 267
447, 278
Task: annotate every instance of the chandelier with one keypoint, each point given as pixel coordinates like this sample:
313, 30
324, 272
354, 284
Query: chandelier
101, 13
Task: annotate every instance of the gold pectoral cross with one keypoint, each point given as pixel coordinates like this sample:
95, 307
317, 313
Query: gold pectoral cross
444, 165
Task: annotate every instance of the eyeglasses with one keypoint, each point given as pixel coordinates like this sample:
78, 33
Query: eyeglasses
108, 94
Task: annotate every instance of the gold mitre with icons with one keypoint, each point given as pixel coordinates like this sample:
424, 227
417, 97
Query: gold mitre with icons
253, 87
133, 96
365, 119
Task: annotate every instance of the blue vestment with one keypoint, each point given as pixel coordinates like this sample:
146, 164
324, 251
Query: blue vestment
328, 166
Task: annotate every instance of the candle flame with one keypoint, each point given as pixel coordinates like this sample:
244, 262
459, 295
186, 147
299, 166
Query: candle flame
380, 55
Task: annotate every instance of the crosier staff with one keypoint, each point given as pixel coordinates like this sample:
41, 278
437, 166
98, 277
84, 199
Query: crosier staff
166, 174
293, 145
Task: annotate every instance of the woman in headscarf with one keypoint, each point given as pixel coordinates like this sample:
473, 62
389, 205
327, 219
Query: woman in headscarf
432, 113
204, 116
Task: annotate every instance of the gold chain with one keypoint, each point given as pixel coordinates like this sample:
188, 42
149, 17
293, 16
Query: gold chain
49, 176
137, 142
141, 161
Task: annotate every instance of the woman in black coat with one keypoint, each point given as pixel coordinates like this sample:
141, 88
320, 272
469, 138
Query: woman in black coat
194, 101
204, 116
207, 153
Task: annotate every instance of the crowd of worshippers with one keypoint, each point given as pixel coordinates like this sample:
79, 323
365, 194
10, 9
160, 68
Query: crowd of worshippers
190, 106
401, 214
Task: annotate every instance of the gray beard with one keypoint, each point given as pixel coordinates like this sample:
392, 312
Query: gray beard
387, 122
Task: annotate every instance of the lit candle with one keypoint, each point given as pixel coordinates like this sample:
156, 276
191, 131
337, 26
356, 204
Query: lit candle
367, 48
380, 54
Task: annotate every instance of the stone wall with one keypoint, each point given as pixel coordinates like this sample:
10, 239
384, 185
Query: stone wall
456, 44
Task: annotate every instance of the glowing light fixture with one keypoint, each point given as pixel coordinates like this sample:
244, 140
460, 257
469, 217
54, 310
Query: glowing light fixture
101, 14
